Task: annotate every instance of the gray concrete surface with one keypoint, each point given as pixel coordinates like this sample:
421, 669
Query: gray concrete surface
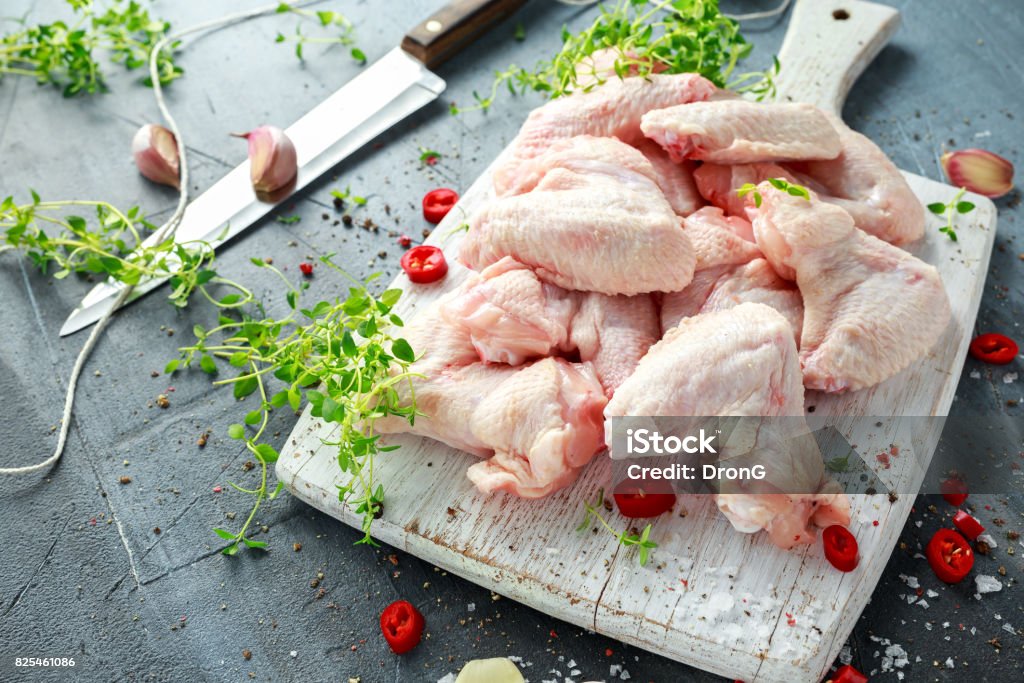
82, 571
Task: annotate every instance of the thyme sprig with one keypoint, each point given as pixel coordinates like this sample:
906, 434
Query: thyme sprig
53, 239
667, 36
343, 31
67, 53
342, 356
626, 537
950, 210
779, 184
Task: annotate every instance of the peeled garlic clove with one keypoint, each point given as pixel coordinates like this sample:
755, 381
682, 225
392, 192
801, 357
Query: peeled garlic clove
272, 159
979, 170
156, 154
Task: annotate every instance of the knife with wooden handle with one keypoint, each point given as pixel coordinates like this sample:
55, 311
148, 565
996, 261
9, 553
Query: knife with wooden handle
395, 86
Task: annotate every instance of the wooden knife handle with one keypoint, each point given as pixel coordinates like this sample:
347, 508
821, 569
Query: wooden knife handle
454, 26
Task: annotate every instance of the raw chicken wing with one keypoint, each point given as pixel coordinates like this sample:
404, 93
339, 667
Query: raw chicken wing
865, 182
588, 230
740, 132
610, 110
537, 424
510, 315
741, 362
870, 309
585, 155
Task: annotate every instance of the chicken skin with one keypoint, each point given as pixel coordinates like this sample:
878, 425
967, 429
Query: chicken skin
717, 289
675, 180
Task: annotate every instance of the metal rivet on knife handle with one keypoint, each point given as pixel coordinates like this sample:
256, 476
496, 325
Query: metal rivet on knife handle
453, 27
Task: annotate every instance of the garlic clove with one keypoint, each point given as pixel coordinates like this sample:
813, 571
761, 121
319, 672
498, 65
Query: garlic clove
156, 154
979, 170
272, 159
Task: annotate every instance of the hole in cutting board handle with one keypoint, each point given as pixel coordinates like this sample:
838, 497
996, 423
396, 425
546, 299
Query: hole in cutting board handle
840, 15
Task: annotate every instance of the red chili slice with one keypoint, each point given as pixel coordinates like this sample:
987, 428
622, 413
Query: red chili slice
643, 499
840, 548
954, 490
847, 674
437, 203
424, 264
994, 348
402, 625
968, 525
949, 555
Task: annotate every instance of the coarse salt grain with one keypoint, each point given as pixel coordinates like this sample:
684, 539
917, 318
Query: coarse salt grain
987, 584
911, 581
988, 540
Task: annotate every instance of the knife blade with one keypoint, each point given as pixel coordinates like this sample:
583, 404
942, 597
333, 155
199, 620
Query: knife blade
394, 87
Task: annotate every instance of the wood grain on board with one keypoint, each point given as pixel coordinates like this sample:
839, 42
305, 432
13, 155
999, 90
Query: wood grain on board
711, 597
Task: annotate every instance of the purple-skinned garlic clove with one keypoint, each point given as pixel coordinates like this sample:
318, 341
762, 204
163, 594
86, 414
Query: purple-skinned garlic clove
156, 154
979, 170
272, 158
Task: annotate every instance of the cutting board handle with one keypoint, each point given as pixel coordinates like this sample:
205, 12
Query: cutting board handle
827, 46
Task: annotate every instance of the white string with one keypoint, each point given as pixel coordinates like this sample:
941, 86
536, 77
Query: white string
166, 230
762, 15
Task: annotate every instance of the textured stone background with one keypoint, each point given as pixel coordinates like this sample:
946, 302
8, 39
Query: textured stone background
81, 570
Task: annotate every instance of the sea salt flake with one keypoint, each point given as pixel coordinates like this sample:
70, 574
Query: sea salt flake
988, 540
975, 374
949, 663
624, 676
471, 607
1010, 378
447, 678
987, 584
614, 670
923, 604
931, 594
911, 581
1009, 629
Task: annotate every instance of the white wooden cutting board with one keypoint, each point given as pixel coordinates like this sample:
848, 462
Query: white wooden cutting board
711, 597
